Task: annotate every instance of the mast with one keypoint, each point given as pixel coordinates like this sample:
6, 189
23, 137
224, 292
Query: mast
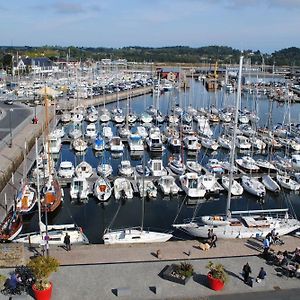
232, 153
143, 189
38, 185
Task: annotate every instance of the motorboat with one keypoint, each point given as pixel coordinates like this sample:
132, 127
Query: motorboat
270, 184
257, 143
265, 165
91, 131
92, 117
75, 133
54, 144
125, 168
84, 169
65, 117
135, 143
209, 143
131, 118
66, 169
224, 142
253, 186
104, 169
77, 118
154, 141
116, 144
168, 185
156, 167
176, 166
191, 143
174, 144
102, 189
192, 186
147, 188
80, 145
209, 183
79, 188
247, 130
104, 115
242, 142
124, 132
59, 132
107, 132
99, 143
143, 171
247, 163
146, 118
141, 131
193, 166
236, 188
122, 188
295, 161
214, 166
287, 182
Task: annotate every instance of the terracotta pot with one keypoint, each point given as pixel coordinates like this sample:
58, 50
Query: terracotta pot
214, 283
44, 294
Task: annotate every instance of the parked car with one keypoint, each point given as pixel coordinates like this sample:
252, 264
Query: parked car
8, 102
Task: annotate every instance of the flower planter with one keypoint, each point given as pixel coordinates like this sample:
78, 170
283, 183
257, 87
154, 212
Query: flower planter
169, 274
214, 283
42, 295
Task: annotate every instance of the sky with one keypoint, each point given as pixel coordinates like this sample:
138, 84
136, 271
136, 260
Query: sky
265, 25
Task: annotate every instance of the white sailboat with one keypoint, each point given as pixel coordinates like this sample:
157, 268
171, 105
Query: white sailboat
135, 235
102, 189
51, 234
256, 223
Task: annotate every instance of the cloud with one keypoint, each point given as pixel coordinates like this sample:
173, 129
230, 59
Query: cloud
69, 7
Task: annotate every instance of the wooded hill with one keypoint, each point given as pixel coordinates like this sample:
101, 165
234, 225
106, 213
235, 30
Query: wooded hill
177, 54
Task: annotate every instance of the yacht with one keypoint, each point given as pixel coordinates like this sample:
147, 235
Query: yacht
253, 186
104, 170
99, 143
135, 143
236, 188
91, 131
192, 186
247, 163
125, 168
66, 169
84, 169
122, 188
102, 189
287, 182
193, 166
79, 188
116, 144
156, 167
80, 145
154, 141
191, 143
168, 185
54, 144
242, 142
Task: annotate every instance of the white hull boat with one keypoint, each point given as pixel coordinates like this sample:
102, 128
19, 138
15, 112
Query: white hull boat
84, 170
102, 189
134, 236
236, 188
167, 185
192, 186
270, 184
79, 188
253, 186
286, 182
122, 188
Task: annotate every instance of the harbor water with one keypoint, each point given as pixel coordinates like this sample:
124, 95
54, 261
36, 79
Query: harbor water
160, 213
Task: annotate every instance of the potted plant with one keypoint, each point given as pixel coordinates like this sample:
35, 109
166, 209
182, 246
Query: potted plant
178, 273
216, 276
42, 267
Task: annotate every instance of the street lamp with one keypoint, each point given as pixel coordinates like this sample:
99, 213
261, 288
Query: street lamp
10, 129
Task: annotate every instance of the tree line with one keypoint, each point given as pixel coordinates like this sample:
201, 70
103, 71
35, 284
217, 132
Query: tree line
178, 54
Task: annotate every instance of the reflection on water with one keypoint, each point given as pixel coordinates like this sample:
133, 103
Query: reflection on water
160, 213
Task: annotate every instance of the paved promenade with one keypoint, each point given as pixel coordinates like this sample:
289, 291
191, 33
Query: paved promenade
95, 271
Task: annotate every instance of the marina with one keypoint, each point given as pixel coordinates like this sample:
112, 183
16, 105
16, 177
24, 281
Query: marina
96, 216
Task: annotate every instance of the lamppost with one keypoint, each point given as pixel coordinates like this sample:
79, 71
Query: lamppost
10, 129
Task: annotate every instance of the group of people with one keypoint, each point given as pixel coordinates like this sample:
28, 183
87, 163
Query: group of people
247, 271
271, 238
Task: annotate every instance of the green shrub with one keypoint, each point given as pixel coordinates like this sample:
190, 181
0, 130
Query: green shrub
217, 271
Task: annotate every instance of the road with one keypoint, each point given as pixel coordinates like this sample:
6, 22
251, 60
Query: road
18, 114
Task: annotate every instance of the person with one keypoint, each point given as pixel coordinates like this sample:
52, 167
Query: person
261, 275
297, 272
67, 242
246, 272
213, 239
266, 245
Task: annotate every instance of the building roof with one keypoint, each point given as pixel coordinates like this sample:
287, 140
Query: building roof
38, 61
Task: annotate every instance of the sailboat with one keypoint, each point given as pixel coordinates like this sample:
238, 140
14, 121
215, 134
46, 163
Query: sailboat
246, 224
51, 234
135, 235
11, 226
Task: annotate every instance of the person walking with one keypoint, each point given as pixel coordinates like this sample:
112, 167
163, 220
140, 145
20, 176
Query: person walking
266, 245
213, 239
67, 242
246, 273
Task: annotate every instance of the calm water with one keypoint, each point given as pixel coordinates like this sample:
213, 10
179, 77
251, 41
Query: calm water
160, 213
